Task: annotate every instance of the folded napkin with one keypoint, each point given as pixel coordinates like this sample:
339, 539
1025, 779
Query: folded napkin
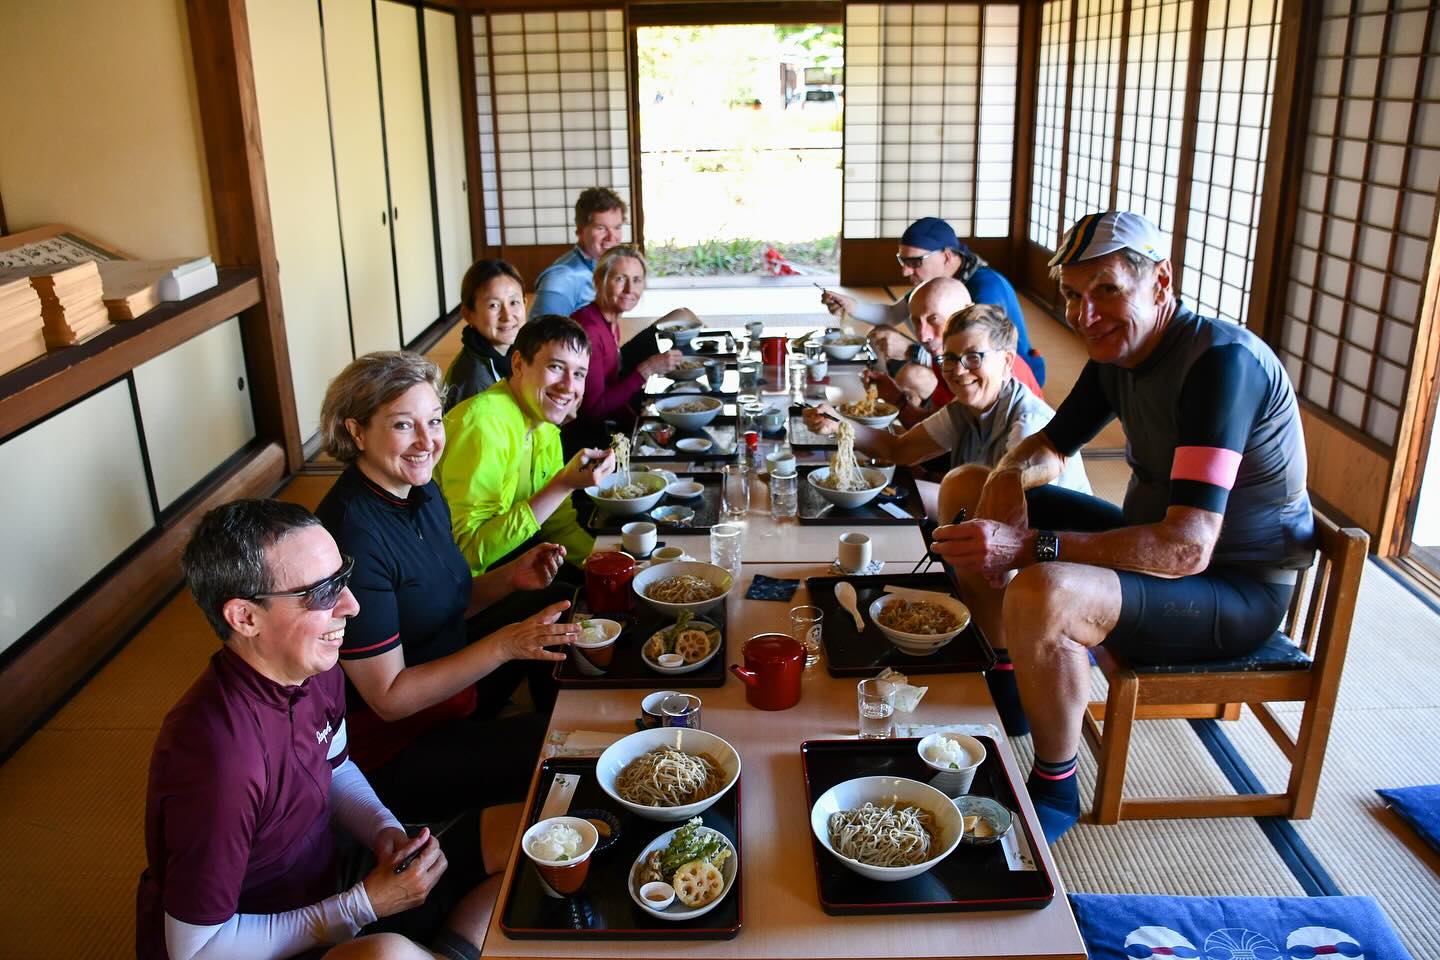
907, 697
579, 743
874, 567
771, 588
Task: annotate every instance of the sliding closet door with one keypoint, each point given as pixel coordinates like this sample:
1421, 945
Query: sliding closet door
354, 85
442, 62
295, 130
409, 162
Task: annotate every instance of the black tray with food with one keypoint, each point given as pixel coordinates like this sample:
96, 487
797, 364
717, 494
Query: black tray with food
628, 667
603, 908
972, 877
712, 343
720, 432
898, 505
706, 505
864, 653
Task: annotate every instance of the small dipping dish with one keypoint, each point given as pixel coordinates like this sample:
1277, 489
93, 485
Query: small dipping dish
659, 433
658, 894
991, 817
694, 445
674, 516
685, 489
606, 824
670, 660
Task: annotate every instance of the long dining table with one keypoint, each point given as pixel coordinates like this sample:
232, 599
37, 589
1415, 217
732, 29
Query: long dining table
783, 917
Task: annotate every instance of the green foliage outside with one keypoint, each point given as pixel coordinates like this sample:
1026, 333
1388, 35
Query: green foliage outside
712, 258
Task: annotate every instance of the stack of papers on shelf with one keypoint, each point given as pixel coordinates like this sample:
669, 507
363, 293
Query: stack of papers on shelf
22, 325
132, 287
69, 300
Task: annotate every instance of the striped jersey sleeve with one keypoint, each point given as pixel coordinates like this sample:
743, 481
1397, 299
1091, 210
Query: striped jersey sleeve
1219, 402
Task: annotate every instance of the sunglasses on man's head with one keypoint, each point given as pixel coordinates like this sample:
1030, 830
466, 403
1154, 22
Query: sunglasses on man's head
318, 596
914, 262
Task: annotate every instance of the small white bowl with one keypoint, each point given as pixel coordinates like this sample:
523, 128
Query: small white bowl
681, 331
694, 445
676, 568
920, 644
884, 466
686, 372
849, 499
948, 780
838, 347
622, 751
665, 409
852, 794
653, 483
676, 910
655, 896
685, 489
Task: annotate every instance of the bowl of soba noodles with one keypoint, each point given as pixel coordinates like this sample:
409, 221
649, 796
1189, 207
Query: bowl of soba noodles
848, 489
688, 411
624, 494
683, 585
668, 773
886, 828
919, 627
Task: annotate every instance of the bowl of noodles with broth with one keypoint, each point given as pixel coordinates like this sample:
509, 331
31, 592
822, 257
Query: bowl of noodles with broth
688, 411
919, 627
845, 483
668, 773
628, 493
886, 828
680, 585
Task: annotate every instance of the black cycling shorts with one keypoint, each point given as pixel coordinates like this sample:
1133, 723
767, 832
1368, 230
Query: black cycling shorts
1215, 615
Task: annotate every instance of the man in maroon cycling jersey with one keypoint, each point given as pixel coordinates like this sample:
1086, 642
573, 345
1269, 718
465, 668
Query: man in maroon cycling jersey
1201, 561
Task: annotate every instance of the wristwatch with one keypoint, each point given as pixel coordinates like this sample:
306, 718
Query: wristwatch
1047, 546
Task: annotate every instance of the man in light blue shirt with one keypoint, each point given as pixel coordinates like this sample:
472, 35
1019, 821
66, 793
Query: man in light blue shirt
569, 283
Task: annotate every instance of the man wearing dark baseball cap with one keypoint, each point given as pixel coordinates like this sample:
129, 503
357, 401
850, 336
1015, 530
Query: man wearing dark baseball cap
928, 249
1200, 562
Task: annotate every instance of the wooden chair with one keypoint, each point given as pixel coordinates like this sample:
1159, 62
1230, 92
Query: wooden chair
1306, 668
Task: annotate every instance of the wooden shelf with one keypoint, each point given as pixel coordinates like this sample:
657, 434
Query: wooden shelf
47, 384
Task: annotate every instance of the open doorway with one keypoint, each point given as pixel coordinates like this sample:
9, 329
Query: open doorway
741, 142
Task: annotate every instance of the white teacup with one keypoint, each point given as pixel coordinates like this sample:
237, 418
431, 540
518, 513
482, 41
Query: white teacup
667, 554
854, 552
638, 538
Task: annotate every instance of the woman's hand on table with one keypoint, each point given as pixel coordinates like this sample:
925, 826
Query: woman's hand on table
822, 419
535, 568
660, 364
528, 639
587, 468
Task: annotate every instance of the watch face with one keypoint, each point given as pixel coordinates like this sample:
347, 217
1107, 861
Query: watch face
1047, 547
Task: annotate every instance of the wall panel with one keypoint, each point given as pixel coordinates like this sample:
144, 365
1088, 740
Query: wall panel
76, 498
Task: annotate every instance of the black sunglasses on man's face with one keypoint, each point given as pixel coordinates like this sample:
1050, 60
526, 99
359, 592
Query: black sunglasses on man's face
318, 596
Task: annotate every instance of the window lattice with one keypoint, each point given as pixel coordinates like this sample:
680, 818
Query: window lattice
1092, 116
1233, 128
1366, 213
1154, 106
930, 93
1045, 225
560, 107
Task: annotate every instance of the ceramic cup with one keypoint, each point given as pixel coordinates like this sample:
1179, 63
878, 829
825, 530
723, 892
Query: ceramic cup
854, 552
560, 878
638, 538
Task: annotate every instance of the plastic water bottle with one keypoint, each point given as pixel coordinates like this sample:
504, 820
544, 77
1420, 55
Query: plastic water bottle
784, 496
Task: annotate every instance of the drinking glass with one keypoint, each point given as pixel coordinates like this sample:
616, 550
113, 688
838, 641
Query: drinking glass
726, 540
749, 371
877, 708
805, 629
734, 490
813, 349
797, 379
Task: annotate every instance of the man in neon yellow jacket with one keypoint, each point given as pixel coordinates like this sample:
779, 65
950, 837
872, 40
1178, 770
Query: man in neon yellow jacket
502, 472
